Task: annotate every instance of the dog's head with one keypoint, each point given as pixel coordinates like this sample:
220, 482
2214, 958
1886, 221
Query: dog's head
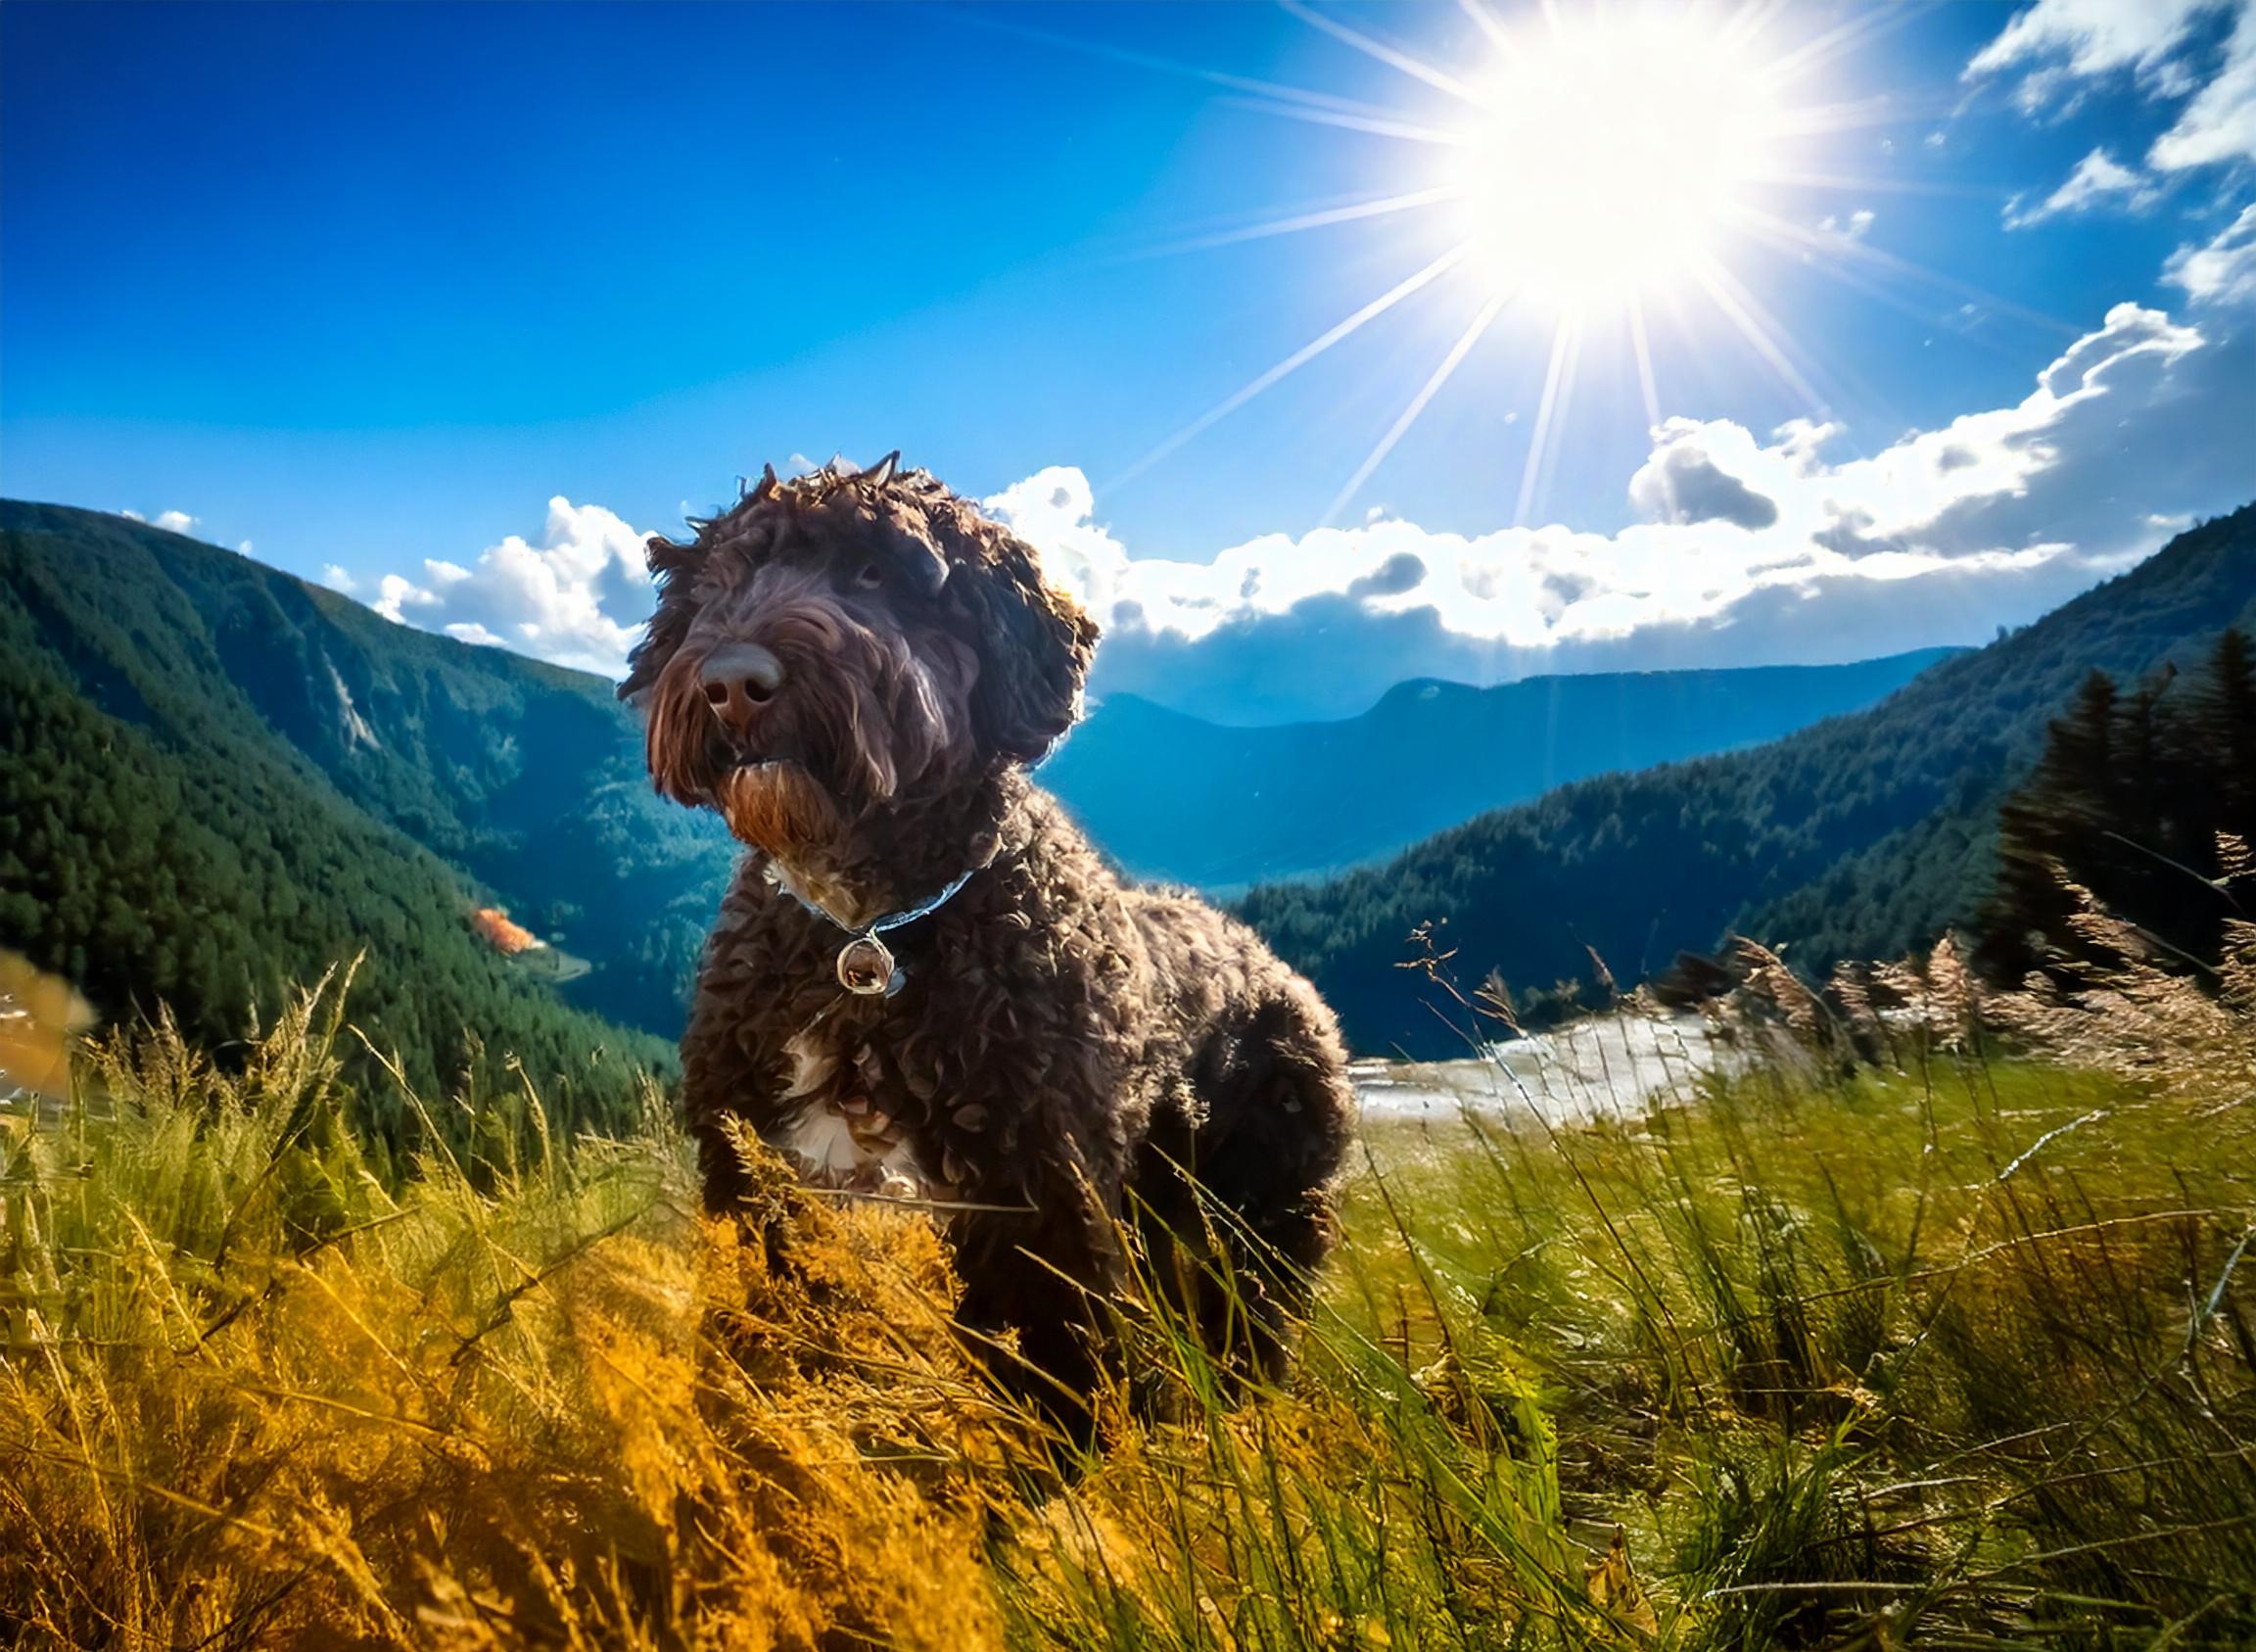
844, 640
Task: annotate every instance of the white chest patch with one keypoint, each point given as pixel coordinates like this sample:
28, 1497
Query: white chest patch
840, 1137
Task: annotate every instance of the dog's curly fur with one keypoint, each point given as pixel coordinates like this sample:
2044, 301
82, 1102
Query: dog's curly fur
1063, 1048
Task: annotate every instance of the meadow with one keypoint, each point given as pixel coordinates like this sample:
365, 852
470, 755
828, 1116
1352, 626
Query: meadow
1925, 1326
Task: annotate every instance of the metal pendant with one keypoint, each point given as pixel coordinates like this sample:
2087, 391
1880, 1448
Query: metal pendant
866, 966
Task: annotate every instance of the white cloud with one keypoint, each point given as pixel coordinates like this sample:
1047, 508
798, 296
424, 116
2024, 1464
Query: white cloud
2099, 177
243, 547
2067, 47
1053, 511
1854, 228
577, 598
2095, 36
338, 580
171, 520
1754, 549
2219, 125
2222, 271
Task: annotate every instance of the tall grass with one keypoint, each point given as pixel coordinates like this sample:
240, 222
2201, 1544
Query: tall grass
250, 1398
1944, 1348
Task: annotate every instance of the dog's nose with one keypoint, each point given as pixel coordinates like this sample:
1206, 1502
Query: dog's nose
739, 679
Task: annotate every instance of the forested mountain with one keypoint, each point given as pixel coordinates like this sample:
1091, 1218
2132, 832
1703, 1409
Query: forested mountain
1180, 798
216, 778
527, 777
1861, 836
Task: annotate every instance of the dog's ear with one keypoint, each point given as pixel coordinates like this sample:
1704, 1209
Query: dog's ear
675, 567
1035, 644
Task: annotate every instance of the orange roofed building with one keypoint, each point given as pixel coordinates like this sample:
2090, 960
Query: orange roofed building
503, 936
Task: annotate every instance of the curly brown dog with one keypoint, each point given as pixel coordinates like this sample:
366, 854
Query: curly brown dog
924, 982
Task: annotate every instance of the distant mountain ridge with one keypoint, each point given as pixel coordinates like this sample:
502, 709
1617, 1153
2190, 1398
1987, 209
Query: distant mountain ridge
1863, 835
1176, 797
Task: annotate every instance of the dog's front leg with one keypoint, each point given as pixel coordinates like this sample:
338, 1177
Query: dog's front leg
1050, 1271
725, 1087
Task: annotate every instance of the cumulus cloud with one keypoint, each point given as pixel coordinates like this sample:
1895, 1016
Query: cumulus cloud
1756, 549
338, 580
1054, 509
1682, 483
1398, 574
171, 520
2222, 271
1855, 227
577, 598
2099, 179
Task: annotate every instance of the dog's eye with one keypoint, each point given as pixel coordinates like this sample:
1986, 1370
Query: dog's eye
871, 576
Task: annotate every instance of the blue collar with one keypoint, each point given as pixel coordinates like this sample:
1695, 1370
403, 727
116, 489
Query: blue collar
891, 920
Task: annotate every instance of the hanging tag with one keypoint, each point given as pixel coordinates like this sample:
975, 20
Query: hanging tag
866, 966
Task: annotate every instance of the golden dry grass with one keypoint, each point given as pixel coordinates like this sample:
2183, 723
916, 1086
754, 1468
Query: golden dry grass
1950, 1350
251, 1398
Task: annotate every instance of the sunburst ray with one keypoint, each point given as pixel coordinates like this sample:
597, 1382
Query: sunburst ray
1744, 312
1783, 231
1648, 383
1380, 52
1837, 41
1291, 364
1550, 412
1241, 83
1409, 416
1321, 218
1489, 25
1388, 127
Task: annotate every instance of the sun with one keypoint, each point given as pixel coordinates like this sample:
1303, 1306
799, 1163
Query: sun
1601, 157
1605, 162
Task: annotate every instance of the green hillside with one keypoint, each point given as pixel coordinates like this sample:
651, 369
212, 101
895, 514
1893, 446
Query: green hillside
527, 777
211, 777
1179, 798
1861, 836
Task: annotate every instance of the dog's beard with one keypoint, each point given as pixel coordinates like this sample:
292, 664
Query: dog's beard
777, 808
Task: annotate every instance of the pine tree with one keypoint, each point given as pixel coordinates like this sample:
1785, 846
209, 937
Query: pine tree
2042, 825
2128, 802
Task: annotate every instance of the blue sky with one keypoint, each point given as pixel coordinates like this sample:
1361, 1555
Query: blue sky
370, 287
